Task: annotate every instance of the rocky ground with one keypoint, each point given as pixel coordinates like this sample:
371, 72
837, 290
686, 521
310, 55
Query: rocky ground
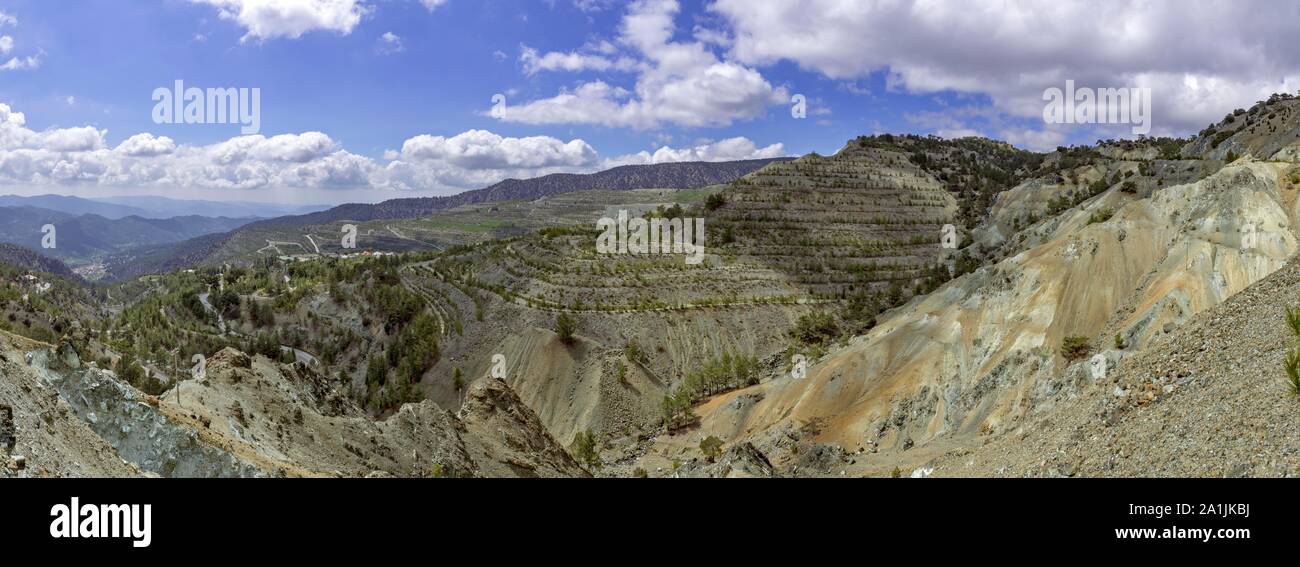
1209, 400
40, 433
250, 417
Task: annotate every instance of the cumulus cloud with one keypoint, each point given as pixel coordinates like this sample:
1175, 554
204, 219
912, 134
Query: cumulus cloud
141, 145
683, 83
432, 4
312, 160
7, 20
480, 149
1012, 51
730, 149
269, 19
80, 139
6, 44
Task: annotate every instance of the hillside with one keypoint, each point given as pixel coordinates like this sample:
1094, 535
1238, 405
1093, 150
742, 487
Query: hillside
956, 361
244, 245
83, 238
687, 175
250, 417
22, 258
1209, 399
1116, 269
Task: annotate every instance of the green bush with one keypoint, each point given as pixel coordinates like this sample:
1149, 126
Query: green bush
583, 449
1101, 215
1292, 365
1293, 320
565, 327
1074, 348
711, 446
815, 329
714, 202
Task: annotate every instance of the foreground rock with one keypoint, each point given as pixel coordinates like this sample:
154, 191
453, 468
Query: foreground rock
42, 428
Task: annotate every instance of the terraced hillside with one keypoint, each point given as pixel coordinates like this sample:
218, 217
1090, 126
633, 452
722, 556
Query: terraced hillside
863, 218
1110, 271
287, 235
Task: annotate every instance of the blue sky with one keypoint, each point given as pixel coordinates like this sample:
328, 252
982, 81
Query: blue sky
368, 100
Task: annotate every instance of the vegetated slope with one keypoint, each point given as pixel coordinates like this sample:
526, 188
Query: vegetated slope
292, 418
1270, 128
859, 220
163, 258
249, 417
973, 169
19, 257
85, 237
666, 175
234, 245
983, 354
1208, 400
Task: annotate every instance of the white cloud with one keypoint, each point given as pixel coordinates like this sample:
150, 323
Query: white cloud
593, 5
7, 20
534, 62
21, 63
79, 139
1037, 140
269, 19
432, 5
6, 44
678, 83
480, 149
730, 149
313, 160
1011, 50
478, 158
390, 43
141, 145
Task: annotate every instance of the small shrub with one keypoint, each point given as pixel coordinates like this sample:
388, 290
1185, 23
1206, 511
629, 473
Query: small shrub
583, 449
1075, 348
815, 329
714, 202
1293, 320
1101, 215
1292, 366
711, 446
565, 327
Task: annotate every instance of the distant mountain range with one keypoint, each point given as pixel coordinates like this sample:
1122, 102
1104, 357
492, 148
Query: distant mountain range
687, 175
141, 235
86, 236
19, 257
152, 207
